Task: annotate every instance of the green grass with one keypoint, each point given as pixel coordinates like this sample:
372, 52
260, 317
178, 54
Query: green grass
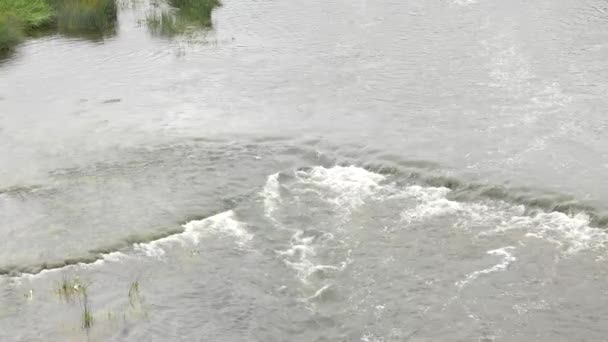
11, 32
31, 14
19, 18
197, 12
85, 16
184, 16
94, 18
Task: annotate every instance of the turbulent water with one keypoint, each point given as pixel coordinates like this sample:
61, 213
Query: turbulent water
312, 171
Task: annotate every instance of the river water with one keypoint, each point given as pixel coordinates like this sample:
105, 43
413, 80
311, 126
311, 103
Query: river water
312, 171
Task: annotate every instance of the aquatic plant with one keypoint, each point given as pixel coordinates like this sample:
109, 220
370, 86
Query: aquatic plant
136, 301
11, 32
18, 18
85, 16
183, 16
134, 298
195, 11
87, 316
31, 14
69, 290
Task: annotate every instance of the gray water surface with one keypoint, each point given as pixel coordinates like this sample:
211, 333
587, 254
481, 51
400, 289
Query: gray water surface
312, 171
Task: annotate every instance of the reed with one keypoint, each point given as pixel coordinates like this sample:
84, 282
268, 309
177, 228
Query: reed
70, 288
87, 315
134, 298
73, 289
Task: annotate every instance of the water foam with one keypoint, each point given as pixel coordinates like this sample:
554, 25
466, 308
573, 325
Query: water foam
319, 294
271, 195
224, 223
433, 202
507, 259
298, 255
572, 233
112, 257
346, 187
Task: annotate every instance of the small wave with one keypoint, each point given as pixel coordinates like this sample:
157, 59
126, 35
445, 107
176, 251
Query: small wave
104, 258
432, 202
532, 199
571, 233
18, 190
223, 223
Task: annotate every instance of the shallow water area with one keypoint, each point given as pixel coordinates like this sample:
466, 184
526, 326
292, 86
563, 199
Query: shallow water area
310, 171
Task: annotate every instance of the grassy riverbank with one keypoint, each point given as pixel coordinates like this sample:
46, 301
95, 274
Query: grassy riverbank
19, 18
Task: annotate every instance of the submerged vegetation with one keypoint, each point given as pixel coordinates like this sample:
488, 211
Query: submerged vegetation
183, 16
19, 18
134, 298
85, 16
72, 289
